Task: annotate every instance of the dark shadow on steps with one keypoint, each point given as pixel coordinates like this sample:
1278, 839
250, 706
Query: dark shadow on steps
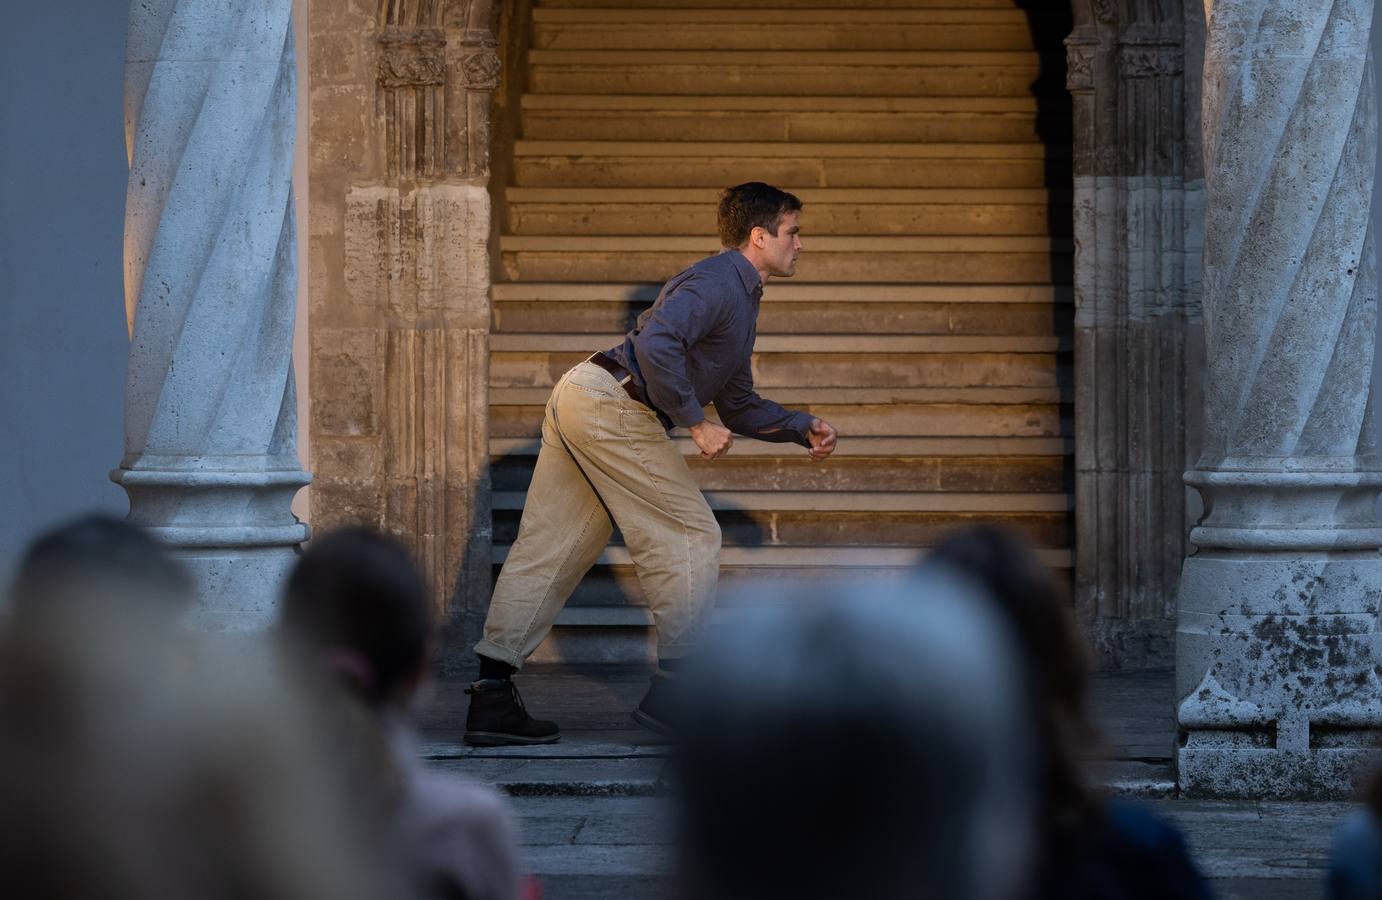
1049, 22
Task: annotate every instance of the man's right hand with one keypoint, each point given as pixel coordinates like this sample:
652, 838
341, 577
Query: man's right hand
714, 440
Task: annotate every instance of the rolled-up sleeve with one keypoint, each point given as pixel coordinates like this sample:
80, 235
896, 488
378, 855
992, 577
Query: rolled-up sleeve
676, 324
744, 412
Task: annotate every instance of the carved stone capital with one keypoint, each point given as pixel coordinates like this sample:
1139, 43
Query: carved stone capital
412, 58
1079, 64
1138, 60
480, 69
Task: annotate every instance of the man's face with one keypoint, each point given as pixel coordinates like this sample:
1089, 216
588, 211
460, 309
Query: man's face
779, 252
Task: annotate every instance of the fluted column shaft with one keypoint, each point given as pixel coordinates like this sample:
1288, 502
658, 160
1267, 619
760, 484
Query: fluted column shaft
1278, 608
210, 460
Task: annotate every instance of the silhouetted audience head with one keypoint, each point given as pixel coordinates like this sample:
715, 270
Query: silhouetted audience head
1026, 594
97, 560
865, 744
357, 600
139, 763
1092, 846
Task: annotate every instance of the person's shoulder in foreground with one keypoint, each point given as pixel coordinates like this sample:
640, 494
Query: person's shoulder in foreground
461, 834
1126, 852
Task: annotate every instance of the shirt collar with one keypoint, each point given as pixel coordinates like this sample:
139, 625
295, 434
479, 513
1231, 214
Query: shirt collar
753, 283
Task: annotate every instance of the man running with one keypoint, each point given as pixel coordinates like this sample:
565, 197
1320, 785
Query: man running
607, 453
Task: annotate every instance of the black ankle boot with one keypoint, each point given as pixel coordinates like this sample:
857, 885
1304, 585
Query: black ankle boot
657, 710
497, 717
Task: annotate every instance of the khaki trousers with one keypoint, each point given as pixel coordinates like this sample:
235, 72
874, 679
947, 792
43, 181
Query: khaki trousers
603, 456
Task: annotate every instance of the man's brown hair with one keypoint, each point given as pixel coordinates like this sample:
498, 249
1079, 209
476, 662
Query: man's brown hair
751, 205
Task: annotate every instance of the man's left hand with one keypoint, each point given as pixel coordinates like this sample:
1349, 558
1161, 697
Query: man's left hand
823, 437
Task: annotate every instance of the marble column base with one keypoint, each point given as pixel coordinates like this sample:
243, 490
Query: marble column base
1277, 673
234, 531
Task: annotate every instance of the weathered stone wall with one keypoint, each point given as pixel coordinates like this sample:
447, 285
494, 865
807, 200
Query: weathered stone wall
1133, 70
399, 259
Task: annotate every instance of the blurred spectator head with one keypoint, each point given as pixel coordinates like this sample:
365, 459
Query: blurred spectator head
97, 561
863, 744
134, 770
1026, 594
357, 601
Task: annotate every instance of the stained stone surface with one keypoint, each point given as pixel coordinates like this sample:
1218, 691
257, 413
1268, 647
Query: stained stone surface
1276, 642
210, 459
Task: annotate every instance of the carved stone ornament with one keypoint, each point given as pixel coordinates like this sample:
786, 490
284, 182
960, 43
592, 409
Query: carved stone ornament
481, 69
412, 58
1103, 10
1150, 60
1079, 66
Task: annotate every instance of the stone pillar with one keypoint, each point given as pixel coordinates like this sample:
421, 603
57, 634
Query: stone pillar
210, 460
1277, 636
400, 229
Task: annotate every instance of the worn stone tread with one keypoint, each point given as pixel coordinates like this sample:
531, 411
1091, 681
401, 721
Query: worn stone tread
531, 396
688, 14
851, 445
815, 343
794, 5
929, 501
947, 150
798, 291
780, 103
585, 196
1020, 59
844, 557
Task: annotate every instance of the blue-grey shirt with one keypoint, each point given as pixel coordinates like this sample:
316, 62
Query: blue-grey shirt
692, 347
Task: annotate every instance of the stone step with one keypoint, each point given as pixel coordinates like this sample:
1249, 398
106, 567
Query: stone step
529, 395
813, 557
962, 73
776, 149
873, 344
794, 5
795, 290
819, 527
903, 267
718, 164
803, 318
823, 244
642, 216
825, 370
1037, 474
874, 503
765, 19
993, 420
988, 30
762, 104
884, 258
852, 445
726, 123
610, 595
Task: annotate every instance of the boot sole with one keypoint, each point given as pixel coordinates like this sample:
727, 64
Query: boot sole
652, 724
495, 739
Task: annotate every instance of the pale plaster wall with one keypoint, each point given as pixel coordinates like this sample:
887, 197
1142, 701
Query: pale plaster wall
63, 343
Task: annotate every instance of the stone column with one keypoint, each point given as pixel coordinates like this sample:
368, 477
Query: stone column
210, 460
1276, 640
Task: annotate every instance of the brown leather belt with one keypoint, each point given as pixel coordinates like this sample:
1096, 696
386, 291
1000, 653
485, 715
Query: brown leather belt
622, 375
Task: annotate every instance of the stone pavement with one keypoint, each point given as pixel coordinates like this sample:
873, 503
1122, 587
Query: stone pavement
595, 810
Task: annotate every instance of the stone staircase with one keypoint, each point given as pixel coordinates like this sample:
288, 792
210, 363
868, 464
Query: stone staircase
923, 321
